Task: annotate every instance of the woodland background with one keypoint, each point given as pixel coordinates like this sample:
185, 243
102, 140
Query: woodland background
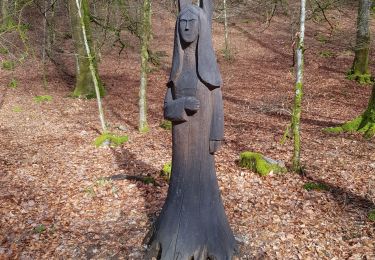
63, 197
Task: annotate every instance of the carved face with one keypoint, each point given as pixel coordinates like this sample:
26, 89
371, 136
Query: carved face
189, 27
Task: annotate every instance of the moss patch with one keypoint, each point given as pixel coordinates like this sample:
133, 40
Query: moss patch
145, 129
166, 124
362, 79
326, 54
321, 38
8, 65
4, 50
364, 124
315, 186
260, 164
41, 99
228, 54
39, 229
111, 139
167, 171
149, 180
371, 215
17, 109
13, 83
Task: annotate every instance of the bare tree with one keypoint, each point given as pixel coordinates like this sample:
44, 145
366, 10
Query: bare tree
5, 15
296, 116
85, 78
146, 34
80, 16
360, 70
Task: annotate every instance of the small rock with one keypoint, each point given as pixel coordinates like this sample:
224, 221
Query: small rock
122, 128
83, 132
135, 255
242, 239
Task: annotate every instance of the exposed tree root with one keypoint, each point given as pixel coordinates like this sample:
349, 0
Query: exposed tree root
360, 78
364, 124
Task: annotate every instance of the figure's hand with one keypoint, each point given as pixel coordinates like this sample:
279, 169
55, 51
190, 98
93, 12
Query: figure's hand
192, 104
214, 146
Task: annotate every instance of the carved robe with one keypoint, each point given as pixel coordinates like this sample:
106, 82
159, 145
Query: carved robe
192, 222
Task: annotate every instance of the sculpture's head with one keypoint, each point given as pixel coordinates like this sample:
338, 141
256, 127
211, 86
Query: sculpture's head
193, 24
188, 24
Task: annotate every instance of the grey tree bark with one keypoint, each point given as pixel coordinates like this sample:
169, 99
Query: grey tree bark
5, 16
83, 21
360, 68
296, 116
146, 34
227, 51
85, 79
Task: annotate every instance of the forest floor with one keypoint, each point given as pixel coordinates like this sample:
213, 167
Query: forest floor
56, 200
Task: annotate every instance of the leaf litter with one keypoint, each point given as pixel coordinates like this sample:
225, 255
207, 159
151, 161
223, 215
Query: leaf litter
61, 197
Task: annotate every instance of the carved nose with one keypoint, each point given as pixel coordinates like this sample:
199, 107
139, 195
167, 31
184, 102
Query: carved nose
187, 27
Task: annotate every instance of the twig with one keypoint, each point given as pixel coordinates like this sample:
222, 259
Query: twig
324, 15
40, 9
268, 22
2, 96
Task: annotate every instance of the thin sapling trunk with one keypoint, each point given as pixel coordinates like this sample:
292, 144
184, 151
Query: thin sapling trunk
296, 116
146, 32
91, 65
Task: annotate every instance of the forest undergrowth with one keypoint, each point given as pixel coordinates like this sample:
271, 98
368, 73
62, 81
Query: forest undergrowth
62, 197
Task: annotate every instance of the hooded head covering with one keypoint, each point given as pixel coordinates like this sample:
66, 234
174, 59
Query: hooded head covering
207, 69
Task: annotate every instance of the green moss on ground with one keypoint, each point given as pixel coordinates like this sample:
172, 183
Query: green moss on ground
166, 124
260, 164
13, 83
371, 215
149, 180
8, 65
321, 38
144, 129
87, 91
326, 54
167, 171
17, 109
43, 98
315, 186
362, 79
39, 229
4, 50
111, 139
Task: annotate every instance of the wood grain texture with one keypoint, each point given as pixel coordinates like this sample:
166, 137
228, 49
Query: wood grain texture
193, 223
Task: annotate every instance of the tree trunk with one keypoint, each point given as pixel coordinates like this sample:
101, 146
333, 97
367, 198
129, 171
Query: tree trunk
5, 17
296, 117
227, 51
83, 20
371, 106
146, 32
51, 36
360, 70
365, 123
45, 33
84, 86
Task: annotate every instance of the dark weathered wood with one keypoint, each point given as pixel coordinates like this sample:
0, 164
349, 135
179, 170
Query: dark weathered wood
192, 223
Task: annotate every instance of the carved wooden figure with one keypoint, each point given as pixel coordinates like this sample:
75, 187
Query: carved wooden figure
192, 223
